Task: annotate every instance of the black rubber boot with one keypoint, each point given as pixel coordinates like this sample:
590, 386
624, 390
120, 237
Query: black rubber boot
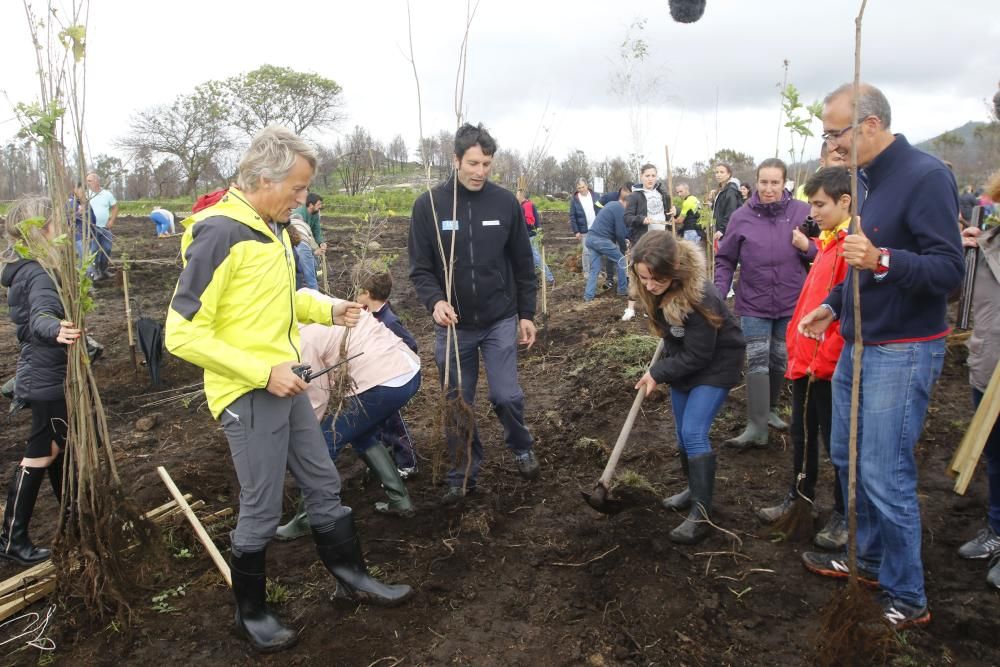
701, 478
380, 462
254, 619
22, 493
340, 550
682, 500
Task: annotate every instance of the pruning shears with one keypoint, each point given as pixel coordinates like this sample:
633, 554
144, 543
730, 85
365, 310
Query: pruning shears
306, 372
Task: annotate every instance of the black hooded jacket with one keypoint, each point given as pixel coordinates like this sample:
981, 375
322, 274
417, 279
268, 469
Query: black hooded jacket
494, 271
36, 311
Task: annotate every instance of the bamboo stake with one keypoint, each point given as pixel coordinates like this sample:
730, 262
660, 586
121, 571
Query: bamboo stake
545, 282
326, 275
128, 317
199, 530
968, 453
670, 188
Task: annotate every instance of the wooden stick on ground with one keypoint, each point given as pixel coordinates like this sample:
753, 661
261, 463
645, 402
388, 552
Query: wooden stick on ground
545, 282
199, 530
128, 318
967, 455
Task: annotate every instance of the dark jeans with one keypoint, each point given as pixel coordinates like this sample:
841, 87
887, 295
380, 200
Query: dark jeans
498, 345
992, 452
363, 415
101, 244
811, 416
396, 438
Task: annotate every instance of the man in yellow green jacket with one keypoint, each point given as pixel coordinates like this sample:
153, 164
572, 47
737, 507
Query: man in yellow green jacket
234, 313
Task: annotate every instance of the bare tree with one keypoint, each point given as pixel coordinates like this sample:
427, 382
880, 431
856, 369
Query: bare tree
193, 129
398, 152
356, 161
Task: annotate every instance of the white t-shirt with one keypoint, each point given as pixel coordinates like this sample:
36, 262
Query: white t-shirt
654, 210
587, 202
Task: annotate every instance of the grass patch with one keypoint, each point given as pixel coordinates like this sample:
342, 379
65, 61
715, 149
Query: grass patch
631, 352
633, 480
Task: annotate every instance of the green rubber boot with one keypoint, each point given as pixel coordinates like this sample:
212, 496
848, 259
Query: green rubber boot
298, 526
380, 462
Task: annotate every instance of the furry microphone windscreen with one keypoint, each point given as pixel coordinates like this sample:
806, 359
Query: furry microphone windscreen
686, 11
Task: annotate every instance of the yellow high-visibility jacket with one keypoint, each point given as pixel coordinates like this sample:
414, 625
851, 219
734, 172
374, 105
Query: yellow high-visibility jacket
235, 307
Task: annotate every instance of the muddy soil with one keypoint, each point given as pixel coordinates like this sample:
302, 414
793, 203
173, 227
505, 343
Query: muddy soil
527, 573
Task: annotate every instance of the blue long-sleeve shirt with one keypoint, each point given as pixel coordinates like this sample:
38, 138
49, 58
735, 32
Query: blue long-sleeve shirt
910, 208
610, 223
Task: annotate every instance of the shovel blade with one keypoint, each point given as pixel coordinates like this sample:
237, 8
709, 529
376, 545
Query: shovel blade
600, 499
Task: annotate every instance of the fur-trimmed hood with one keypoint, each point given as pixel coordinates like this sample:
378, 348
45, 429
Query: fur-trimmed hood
691, 273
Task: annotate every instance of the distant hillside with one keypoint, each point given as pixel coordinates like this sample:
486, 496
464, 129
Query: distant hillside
966, 133
972, 149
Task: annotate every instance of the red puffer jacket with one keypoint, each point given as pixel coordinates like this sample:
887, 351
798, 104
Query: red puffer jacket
805, 355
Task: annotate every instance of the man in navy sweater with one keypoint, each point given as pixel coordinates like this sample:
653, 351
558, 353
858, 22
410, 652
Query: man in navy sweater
908, 257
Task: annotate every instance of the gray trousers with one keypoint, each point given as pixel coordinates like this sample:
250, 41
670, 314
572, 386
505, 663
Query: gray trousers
498, 344
267, 434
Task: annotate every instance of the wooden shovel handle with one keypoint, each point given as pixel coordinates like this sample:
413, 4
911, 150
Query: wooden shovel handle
616, 453
199, 530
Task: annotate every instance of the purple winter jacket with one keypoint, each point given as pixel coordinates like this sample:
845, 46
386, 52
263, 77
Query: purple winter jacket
772, 270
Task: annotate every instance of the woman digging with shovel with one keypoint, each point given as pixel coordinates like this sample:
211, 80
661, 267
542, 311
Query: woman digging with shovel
703, 357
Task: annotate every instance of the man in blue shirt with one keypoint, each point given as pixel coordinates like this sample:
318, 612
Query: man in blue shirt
907, 258
604, 239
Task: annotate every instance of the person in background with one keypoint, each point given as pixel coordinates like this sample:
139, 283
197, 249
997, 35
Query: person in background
305, 260
966, 202
686, 221
826, 159
702, 357
646, 209
583, 207
984, 354
727, 200
374, 288
310, 212
81, 214
43, 335
534, 222
745, 192
605, 240
772, 269
164, 221
811, 363
105, 208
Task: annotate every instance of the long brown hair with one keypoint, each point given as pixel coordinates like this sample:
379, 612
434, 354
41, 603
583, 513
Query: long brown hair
666, 258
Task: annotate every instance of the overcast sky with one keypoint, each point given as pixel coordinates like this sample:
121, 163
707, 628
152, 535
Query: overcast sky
540, 72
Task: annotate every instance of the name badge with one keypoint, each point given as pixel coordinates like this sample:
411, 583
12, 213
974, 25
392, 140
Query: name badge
449, 225
677, 332
491, 223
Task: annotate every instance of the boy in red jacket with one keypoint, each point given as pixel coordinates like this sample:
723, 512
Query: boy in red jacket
811, 362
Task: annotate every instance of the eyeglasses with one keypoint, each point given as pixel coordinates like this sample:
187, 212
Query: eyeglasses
833, 135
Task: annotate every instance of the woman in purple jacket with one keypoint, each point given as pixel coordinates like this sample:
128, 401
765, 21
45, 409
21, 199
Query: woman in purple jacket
760, 239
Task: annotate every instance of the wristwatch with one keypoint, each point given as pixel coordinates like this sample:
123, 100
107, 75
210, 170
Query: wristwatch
883, 261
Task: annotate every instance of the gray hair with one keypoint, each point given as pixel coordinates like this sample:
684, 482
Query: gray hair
271, 156
871, 102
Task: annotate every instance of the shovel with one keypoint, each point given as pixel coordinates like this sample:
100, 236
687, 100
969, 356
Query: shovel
600, 498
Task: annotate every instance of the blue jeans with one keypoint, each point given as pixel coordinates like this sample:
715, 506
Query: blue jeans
101, 244
992, 452
537, 255
694, 412
601, 247
896, 384
363, 414
766, 350
498, 345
